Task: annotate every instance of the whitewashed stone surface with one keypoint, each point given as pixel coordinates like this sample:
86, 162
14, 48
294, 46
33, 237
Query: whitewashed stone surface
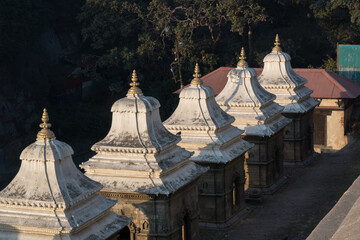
51, 199
279, 78
205, 128
250, 104
139, 154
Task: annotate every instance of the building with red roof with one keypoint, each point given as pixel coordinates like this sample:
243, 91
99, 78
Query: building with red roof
332, 118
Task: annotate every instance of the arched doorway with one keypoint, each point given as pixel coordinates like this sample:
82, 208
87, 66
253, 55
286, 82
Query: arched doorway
124, 234
185, 228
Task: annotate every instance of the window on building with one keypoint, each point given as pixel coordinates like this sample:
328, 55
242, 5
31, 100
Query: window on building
236, 192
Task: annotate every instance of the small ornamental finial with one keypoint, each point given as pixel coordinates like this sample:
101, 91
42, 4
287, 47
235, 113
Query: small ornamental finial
134, 89
45, 132
197, 75
277, 47
242, 58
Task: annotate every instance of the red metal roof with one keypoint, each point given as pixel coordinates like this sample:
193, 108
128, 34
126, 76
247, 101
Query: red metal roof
325, 84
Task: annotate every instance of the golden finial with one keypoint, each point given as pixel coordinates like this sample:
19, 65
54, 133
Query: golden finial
134, 89
45, 132
277, 47
242, 58
197, 75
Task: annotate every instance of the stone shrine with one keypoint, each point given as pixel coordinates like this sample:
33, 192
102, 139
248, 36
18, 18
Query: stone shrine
206, 129
50, 198
279, 78
256, 112
140, 164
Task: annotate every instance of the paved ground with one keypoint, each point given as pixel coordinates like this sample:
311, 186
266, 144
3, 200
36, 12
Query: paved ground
295, 210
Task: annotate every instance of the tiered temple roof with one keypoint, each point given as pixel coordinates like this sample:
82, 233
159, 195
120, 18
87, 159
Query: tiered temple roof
205, 128
139, 154
252, 106
50, 198
279, 78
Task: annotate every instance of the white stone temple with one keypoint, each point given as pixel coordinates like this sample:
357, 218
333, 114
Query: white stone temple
206, 129
279, 78
140, 164
50, 198
256, 112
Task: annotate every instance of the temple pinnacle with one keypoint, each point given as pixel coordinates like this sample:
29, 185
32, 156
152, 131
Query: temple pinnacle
197, 75
242, 58
277, 47
45, 132
134, 89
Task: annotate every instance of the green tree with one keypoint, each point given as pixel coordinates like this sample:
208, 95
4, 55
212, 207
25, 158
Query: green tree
339, 18
193, 29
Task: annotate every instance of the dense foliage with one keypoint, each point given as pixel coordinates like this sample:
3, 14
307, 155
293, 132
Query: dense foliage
162, 40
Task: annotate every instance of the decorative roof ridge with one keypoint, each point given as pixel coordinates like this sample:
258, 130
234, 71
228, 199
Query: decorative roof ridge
32, 203
51, 204
236, 104
198, 128
103, 148
273, 86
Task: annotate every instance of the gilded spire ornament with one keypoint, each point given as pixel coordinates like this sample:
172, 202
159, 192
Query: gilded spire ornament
134, 89
277, 47
242, 58
197, 75
45, 132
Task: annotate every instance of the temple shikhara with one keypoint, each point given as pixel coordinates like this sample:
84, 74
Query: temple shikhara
140, 165
231, 139
206, 129
279, 78
256, 112
51, 199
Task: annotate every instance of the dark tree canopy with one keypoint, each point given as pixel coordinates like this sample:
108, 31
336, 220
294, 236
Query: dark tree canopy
163, 39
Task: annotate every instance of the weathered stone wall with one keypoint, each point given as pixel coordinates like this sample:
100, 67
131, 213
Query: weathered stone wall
298, 138
216, 189
159, 217
338, 122
336, 138
265, 164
